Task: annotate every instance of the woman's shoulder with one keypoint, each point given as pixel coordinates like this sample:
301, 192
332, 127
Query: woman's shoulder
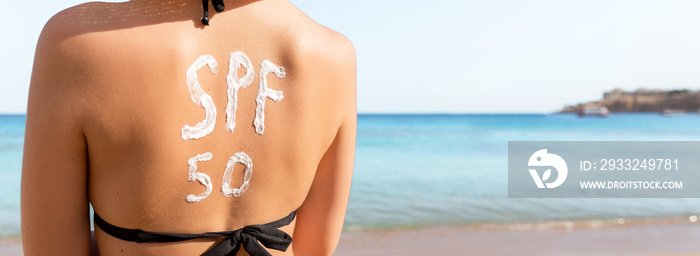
67, 34
318, 40
321, 51
81, 19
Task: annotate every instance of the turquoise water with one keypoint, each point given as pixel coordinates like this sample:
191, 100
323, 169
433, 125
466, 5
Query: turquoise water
416, 170
11, 144
452, 169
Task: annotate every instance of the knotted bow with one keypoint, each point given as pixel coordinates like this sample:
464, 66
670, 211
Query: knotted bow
267, 234
249, 236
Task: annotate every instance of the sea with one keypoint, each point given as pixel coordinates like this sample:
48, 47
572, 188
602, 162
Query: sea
447, 169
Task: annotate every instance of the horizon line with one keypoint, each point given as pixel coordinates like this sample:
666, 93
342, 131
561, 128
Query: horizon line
398, 113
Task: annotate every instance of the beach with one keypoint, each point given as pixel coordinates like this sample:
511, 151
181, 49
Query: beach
545, 127
650, 237
438, 185
10, 246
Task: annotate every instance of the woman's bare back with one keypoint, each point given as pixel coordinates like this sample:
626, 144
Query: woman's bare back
120, 78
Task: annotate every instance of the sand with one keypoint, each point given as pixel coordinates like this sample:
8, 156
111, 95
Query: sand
647, 238
10, 247
629, 239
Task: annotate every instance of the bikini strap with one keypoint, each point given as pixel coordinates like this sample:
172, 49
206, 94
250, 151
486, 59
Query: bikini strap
267, 234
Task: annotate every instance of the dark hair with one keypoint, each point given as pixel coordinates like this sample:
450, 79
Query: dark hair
218, 6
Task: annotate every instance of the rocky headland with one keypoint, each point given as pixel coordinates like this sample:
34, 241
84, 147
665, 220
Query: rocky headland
643, 100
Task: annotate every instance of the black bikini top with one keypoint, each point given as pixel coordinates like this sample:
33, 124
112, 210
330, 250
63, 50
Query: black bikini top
267, 234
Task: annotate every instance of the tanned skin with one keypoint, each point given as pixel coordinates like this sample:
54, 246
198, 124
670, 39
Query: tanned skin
107, 101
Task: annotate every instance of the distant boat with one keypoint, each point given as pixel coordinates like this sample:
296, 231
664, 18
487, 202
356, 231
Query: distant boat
594, 112
673, 112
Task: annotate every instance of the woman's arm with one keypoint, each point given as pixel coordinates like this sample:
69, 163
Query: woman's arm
320, 218
55, 206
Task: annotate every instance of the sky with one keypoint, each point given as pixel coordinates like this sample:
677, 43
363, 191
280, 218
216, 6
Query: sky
463, 56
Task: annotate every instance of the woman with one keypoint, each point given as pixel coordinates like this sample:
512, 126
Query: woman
167, 125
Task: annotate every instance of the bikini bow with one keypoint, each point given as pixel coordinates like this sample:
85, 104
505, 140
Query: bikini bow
248, 236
